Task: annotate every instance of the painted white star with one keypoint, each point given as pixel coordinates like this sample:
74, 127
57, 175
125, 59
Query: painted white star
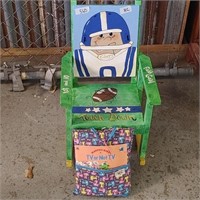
127, 109
87, 109
107, 110
120, 109
96, 110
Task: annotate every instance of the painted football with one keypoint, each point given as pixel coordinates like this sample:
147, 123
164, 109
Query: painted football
104, 94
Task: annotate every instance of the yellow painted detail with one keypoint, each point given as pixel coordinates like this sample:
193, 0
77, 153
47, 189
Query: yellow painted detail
69, 163
92, 178
101, 184
75, 134
83, 191
110, 192
127, 132
142, 161
138, 141
126, 179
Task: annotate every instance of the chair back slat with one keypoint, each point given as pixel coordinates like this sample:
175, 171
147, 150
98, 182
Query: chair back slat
104, 40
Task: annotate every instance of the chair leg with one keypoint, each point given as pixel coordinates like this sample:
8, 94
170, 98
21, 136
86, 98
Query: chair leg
138, 142
142, 161
69, 163
69, 141
143, 149
69, 148
145, 135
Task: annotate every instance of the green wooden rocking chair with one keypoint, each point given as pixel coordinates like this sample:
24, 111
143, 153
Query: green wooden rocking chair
105, 46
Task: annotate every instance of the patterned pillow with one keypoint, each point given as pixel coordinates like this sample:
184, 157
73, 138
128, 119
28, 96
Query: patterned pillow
102, 161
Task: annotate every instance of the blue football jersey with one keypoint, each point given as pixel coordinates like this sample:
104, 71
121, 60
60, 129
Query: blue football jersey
89, 64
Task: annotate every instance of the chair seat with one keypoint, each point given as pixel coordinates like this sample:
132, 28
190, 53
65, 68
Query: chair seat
127, 94
123, 110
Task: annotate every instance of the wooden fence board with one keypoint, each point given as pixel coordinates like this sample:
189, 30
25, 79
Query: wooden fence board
62, 50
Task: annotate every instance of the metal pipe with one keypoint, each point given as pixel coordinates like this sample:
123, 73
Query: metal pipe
39, 72
36, 75
175, 71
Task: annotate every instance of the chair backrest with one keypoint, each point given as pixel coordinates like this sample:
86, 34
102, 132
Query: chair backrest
104, 40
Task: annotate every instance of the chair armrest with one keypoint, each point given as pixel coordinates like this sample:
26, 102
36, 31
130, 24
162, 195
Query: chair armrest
149, 81
66, 81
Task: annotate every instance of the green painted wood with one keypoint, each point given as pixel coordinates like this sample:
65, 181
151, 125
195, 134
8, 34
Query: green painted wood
144, 145
127, 95
138, 2
149, 80
147, 123
139, 129
66, 99
148, 114
108, 120
140, 84
139, 29
69, 139
72, 4
66, 80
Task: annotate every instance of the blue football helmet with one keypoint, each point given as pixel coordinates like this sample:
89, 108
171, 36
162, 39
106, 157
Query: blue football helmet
105, 22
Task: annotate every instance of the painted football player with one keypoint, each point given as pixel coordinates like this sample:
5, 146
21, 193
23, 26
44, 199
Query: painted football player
106, 49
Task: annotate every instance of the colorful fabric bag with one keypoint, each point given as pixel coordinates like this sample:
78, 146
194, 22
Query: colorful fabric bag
102, 161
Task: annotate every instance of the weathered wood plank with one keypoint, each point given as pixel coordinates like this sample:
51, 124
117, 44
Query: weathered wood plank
187, 5
9, 52
159, 48
4, 27
161, 17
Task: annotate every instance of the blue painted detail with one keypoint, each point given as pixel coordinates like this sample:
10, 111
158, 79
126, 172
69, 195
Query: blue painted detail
126, 62
84, 182
120, 187
95, 141
85, 135
95, 189
78, 65
101, 174
133, 109
91, 26
111, 183
83, 63
76, 191
131, 62
112, 134
111, 68
102, 170
94, 131
121, 140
